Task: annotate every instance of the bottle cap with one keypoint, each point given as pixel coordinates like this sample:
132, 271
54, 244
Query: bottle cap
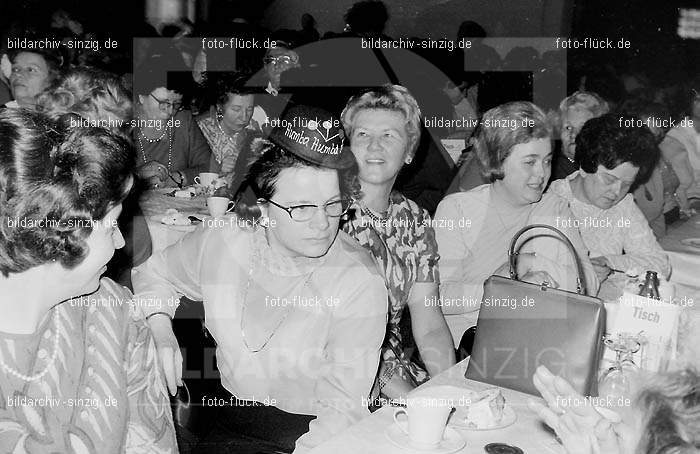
502, 448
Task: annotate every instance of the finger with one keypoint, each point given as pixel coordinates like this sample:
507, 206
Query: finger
550, 279
168, 369
547, 394
178, 366
545, 413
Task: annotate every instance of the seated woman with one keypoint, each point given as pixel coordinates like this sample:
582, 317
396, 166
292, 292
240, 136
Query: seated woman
474, 228
229, 128
298, 309
67, 336
170, 148
611, 157
32, 73
663, 419
88, 97
655, 196
574, 112
384, 129
681, 148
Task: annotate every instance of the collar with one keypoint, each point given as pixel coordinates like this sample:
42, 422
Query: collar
283, 265
272, 90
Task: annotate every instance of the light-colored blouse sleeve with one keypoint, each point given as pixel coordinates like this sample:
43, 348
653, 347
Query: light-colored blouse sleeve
171, 273
355, 338
458, 277
552, 255
640, 248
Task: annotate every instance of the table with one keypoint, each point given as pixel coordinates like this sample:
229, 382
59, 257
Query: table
528, 432
685, 260
154, 204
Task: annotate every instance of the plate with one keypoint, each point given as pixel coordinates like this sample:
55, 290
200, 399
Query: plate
451, 442
158, 219
460, 397
692, 242
509, 417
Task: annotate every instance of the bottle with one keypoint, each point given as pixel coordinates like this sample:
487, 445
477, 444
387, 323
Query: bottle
650, 289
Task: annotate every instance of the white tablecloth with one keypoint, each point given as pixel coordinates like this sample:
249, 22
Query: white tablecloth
155, 203
528, 432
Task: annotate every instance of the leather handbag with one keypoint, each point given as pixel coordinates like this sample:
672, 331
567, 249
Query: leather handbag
523, 325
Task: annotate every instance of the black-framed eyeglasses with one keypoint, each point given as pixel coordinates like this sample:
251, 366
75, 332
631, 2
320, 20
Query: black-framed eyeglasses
286, 59
164, 105
302, 213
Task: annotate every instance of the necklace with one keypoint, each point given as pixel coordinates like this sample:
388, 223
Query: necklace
170, 146
245, 305
35, 377
227, 135
153, 140
377, 219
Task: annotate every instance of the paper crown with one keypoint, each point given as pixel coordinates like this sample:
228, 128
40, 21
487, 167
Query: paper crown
315, 135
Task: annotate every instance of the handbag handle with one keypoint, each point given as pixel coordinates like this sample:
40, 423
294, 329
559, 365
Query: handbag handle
513, 255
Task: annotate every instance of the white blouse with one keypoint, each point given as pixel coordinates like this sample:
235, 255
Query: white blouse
318, 323
621, 233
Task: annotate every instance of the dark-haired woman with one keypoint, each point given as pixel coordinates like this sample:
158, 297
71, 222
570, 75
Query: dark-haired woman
170, 148
514, 149
611, 157
297, 309
229, 128
77, 362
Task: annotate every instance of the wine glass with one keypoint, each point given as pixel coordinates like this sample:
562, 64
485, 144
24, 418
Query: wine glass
615, 385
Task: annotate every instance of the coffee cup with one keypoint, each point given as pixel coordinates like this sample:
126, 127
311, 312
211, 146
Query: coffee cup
427, 419
218, 206
206, 178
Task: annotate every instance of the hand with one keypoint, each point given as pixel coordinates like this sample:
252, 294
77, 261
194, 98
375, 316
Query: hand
168, 350
228, 163
580, 427
602, 267
525, 261
539, 277
152, 169
688, 212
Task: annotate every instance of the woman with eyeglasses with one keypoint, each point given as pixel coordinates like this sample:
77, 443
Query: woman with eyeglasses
170, 147
297, 308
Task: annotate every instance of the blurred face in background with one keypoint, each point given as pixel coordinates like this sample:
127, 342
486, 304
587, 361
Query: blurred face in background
237, 111
30, 76
572, 122
160, 104
277, 61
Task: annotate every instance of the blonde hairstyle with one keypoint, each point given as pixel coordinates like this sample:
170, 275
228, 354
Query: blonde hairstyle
504, 127
388, 97
671, 407
90, 93
580, 100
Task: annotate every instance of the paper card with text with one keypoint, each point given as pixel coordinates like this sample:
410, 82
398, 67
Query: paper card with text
454, 147
656, 319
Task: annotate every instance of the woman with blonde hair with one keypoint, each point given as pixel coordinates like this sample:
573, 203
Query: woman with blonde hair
384, 129
574, 112
513, 145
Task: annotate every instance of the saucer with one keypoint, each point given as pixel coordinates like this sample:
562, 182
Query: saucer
451, 442
692, 242
508, 418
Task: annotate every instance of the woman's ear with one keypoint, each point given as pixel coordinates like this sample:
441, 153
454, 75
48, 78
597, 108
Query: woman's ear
141, 99
263, 207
